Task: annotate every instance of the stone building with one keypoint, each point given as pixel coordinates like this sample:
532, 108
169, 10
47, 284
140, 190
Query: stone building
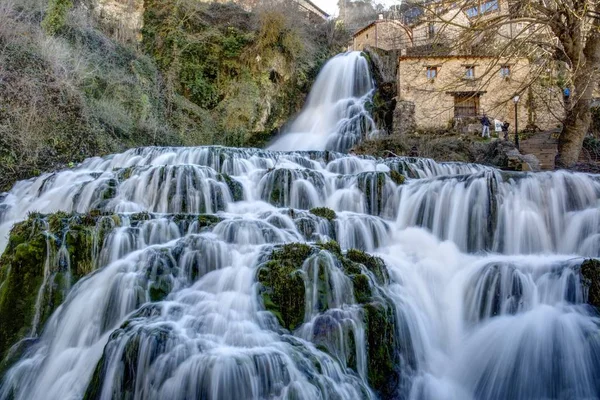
448, 75
383, 34
437, 33
454, 91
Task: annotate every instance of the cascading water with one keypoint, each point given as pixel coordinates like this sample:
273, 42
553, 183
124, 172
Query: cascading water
334, 117
480, 296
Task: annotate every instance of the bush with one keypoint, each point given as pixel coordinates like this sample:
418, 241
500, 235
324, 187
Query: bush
56, 16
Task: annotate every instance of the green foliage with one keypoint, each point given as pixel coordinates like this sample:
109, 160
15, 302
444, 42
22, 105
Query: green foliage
56, 16
74, 95
247, 73
205, 73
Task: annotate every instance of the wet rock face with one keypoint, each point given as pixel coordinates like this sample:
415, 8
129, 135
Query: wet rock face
282, 283
45, 256
286, 280
590, 272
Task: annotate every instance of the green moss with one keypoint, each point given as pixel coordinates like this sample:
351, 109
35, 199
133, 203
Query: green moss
142, 216
333, 247
22, 266
362, 288
383, 359
590, 272
22, 271
373, 264
79, 241
282, 284
324, 212
160, 289
94, 388
208, 220
397, 177
56, 16
58, 221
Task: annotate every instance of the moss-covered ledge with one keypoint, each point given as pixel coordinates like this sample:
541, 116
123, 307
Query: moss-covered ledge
282, 288
45, 256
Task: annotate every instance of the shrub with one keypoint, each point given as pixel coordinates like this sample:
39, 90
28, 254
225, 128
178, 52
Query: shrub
56, 16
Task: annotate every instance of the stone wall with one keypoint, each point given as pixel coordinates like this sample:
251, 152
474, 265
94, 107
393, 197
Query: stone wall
382, 34
404, 118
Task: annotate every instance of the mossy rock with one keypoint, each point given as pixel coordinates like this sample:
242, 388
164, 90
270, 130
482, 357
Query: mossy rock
235, 188
590, 272
282, 284
154, 340
372, 184
21, 275
373, 264
397, 177
324, 212
22, 267
160, 289
383, 359
79, 241
208, 220
331, 246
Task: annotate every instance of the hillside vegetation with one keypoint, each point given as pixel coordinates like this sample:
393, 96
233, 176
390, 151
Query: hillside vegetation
203, 73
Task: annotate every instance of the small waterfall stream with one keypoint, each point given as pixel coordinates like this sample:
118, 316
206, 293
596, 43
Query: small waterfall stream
300, 272
335, 116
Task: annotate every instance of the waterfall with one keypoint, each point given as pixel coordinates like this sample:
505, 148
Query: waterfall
225, 273
335, 116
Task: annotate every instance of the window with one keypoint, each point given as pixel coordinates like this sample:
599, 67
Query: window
367, 35
505, 71
472, 12
489, 6
484, 8
431, 30
469, 72
431, 73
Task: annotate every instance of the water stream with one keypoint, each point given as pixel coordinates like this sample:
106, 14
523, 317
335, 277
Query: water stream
335, 116
481, 286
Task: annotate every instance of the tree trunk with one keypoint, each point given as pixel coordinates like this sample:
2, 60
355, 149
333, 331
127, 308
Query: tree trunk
576, 125
585, 64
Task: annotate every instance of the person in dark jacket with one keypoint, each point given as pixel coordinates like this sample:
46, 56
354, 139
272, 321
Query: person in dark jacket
505, 126
485, 122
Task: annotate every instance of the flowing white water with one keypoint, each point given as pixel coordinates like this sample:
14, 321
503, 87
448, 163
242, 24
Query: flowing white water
334, 117
481, 296
483, 279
